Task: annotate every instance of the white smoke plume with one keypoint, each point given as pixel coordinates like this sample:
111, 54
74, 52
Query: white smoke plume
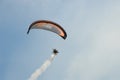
40, 70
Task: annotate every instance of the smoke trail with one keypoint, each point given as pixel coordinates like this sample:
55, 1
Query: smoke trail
40, 70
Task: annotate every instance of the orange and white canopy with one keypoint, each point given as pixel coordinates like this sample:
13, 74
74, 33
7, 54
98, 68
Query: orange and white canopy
48, 25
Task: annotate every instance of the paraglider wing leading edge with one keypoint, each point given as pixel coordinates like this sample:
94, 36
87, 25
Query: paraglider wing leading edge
48, 25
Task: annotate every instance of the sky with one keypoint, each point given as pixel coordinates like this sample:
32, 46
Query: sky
90, 52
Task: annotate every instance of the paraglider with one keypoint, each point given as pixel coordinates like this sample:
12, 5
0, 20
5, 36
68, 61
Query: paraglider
55, 51
48, 25
53, 27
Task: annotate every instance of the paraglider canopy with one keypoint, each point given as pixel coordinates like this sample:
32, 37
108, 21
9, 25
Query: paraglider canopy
48, 25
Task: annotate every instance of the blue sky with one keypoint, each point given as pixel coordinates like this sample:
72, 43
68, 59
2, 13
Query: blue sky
90, 52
